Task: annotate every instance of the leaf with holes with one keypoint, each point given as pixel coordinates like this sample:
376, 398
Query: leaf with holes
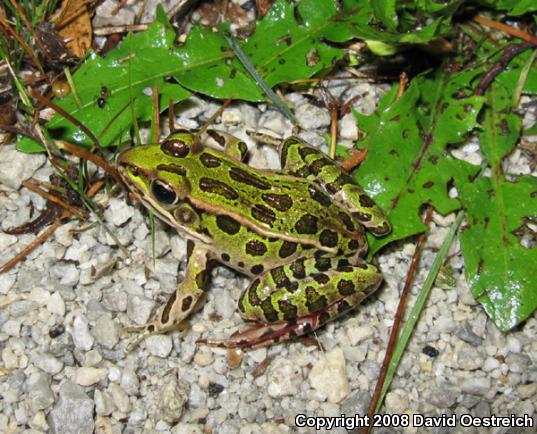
407, 165
499, 247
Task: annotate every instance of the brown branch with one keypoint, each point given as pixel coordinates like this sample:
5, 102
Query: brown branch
511, 51
513, 31
47, 102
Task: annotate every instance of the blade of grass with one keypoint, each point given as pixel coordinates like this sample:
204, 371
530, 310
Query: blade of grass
418, 307
259, 80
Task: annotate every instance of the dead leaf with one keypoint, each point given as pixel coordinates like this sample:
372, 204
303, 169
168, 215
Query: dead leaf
74, 26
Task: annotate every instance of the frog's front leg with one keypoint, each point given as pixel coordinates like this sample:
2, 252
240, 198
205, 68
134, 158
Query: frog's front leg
183, 300
295, 299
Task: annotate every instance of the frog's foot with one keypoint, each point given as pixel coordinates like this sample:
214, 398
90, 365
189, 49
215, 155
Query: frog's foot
150, 329
261, 335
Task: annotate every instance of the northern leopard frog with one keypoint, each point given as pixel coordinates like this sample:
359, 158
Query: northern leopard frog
297, 232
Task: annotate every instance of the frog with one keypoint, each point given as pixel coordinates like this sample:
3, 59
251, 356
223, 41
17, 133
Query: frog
299, 232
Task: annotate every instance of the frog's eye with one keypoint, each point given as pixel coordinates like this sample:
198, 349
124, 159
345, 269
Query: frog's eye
163, 192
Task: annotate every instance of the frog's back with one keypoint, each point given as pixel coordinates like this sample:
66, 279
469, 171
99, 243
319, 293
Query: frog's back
270, 202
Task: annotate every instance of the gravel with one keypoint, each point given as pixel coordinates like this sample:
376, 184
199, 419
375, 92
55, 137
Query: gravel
66, 366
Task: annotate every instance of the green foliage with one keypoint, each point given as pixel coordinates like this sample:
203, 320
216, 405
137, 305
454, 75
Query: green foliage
407, 165
502, 272
292, 42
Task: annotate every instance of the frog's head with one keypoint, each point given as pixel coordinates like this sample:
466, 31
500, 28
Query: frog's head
154, 174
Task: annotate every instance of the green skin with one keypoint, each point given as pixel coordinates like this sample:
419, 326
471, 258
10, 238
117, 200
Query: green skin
297, 232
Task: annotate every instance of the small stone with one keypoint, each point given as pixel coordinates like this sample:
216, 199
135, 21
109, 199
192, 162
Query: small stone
526, 391
329, 376
234, 357
106, 331
173, 398
73, 413
469, 358
475, 386
443, 395
6, 240
187, 428
39, 422
12, 327
358, 334
139, 309
10, 359
56, 305
284, 378
517, 362
513, 344
129, 381
159, 345
67, 273
46, 362
121, 399
104, 405
86, 375
17, 166
312, 117
203, 358
490, 364
81, 335
39, 392
118, 212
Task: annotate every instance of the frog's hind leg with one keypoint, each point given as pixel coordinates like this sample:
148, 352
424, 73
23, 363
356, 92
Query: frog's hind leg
181, 303
295, 299
304, 160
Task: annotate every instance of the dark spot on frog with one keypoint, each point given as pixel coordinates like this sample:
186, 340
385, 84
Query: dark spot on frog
209, 160
186, 303
345, 287
247, 178
298, 269
268, 310
314, 300
428, 184
228, 224
328, 238
263, 214
219, 188
353, 245
280, 202
320, 278
288, 310
225, 257
287, 249
347, 221
175, 148
324, 318
323, 264
307, 224
257, 269
281, 61
255, 248
343, 306
318, 196
279, 277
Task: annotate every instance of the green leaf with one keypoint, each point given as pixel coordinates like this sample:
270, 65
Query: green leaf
108, 86
385, 12
407, 165
501, 272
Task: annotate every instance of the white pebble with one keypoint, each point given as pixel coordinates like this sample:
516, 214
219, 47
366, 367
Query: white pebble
203, 358
86, 376
159, 345
56, 305
329, 376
